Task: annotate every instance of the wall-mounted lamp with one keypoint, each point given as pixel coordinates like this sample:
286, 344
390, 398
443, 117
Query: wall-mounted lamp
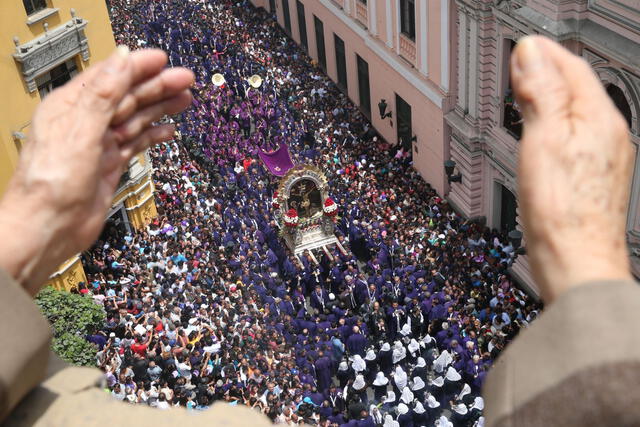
19, 138
449, 166
382, 106
515, 238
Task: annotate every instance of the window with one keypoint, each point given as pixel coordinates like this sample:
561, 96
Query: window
363, 86
408, 18
404, 125
512, 119
508, 209
287, 17
619, 99
56, 77
272, 7
322, 55
33, 6
302, 25
341, 62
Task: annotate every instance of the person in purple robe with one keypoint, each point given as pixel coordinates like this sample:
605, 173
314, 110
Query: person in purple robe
323, 372
357, 342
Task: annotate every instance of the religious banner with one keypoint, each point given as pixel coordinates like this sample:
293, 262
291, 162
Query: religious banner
279, 161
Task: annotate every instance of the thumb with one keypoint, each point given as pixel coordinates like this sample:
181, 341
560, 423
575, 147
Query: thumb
540, 87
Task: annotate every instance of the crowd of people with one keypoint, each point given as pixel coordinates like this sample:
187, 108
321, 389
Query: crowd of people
207, 304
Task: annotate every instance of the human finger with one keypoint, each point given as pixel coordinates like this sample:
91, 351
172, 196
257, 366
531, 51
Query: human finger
539, 85
145, 117
144, 64
146, 139
104, 86
587, 92
162, 86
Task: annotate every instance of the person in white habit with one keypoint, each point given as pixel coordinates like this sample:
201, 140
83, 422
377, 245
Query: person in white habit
380, 384
418, 388
420, 416
359, 388
405, 417
407, 396
434, 409
399, 352
443, 422
437, 388
390, 422
400, 379
358, 364
372, 364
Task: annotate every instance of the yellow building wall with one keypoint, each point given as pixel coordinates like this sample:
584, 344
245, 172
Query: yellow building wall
17, 104
69, 275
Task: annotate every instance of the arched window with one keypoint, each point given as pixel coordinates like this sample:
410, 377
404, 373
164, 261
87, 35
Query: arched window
618, 98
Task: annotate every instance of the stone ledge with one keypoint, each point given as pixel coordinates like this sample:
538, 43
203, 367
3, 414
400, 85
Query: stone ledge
42, 15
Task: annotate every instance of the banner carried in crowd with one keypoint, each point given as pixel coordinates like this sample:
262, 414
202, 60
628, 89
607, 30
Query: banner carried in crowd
279, 161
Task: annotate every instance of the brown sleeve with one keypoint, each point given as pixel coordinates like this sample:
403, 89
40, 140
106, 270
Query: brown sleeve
578, 364
25, 336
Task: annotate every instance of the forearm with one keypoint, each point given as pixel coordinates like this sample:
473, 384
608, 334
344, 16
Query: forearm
555, 356
31, 250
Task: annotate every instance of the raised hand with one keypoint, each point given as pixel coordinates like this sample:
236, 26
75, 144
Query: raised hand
575, 167
82, 137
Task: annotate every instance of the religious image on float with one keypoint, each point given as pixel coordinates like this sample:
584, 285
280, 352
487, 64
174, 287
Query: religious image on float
305, 212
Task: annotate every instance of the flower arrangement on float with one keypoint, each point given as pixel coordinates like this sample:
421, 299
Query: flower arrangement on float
330, 208
274, 203
291, 218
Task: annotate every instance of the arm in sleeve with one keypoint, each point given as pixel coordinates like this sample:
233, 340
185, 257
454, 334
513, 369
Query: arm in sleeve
578, 364
25, 335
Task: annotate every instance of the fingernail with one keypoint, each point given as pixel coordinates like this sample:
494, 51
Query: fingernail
529, 56
118, 59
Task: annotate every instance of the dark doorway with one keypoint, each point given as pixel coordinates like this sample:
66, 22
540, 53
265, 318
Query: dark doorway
272, 7
322, 55
405, 132
508, 209
363, 86
341, 62
302, 25
287, 16
617, 96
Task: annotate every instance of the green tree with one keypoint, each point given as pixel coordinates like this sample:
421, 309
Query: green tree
72, 316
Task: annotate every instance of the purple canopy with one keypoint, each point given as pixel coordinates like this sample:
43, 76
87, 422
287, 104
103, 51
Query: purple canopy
279, 161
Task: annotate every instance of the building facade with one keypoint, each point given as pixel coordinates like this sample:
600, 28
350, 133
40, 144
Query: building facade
485, 123
45, 43
364, 45
449, 61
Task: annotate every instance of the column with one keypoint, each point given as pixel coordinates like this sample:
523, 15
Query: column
462, 61
423, 28
445, 21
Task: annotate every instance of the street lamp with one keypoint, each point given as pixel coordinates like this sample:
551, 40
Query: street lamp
515, 238
449, 166
382, 106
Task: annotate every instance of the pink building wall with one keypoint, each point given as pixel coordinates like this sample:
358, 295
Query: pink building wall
455, 76
397, 65
606, 33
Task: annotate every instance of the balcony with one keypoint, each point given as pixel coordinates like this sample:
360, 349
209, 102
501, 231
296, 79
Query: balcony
362, 12
407, 49
340, 3
54, 47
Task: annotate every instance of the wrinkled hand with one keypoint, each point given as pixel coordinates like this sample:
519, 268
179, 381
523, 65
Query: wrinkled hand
575, 167
81, 140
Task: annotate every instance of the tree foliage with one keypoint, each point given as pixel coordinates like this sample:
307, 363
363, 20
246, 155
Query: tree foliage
72, 316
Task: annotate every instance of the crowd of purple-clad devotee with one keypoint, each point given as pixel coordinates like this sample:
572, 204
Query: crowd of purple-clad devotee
208, 304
